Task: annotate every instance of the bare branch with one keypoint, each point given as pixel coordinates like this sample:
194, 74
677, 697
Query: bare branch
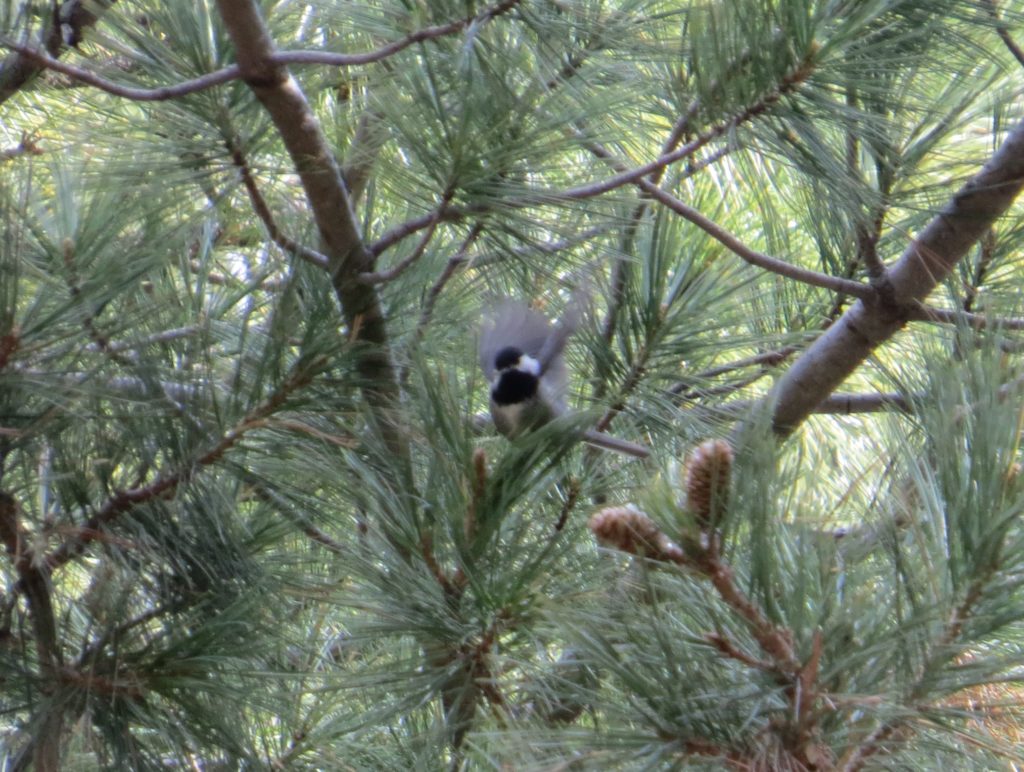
415, 225
923, 313
769, 358
18, 70
752, 256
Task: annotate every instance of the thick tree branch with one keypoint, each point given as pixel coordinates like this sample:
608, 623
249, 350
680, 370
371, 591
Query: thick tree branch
34, 582
925, 263
330, 203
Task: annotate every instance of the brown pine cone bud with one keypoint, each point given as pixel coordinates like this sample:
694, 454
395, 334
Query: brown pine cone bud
630, 530
707, 481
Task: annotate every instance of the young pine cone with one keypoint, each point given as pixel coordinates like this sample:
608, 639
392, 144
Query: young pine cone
630, 530
707, 481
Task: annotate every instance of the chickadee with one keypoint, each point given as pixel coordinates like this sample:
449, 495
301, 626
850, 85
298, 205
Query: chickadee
521, 354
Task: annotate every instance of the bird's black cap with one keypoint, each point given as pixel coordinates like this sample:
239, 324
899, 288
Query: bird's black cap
507, 357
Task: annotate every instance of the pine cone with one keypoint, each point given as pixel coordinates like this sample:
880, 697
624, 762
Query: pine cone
707, 481
630, 530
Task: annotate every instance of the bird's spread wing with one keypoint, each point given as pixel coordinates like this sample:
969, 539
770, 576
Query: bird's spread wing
510, 323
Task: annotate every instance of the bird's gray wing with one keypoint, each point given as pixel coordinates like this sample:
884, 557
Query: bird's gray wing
510, 323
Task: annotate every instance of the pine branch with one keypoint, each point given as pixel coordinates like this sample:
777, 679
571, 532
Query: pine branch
788, 83
100, 341
386, 51
126, 500
31, 60
455, 262
381, 277
332, 209
925, 263
734, 244
858, 755
262, 209
631, 531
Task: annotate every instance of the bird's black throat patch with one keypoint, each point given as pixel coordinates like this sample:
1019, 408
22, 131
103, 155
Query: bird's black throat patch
514, 387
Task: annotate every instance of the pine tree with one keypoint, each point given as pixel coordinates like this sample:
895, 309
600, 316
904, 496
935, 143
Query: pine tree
253, 511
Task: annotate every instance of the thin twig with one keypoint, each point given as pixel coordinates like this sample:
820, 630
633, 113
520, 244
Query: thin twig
727, 239
380, 277
100, 340
409, 227
419, 36
262, 209
159, 94
988, 248
1003, 32
730, 650
922, 313
768, 358
857, 756
634, 176
454, 263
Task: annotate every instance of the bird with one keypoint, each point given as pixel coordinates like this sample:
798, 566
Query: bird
522, 356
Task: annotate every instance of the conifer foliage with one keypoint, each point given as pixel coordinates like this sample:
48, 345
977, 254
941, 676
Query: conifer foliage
253, 514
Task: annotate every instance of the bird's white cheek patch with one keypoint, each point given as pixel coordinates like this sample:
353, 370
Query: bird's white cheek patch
529, 365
